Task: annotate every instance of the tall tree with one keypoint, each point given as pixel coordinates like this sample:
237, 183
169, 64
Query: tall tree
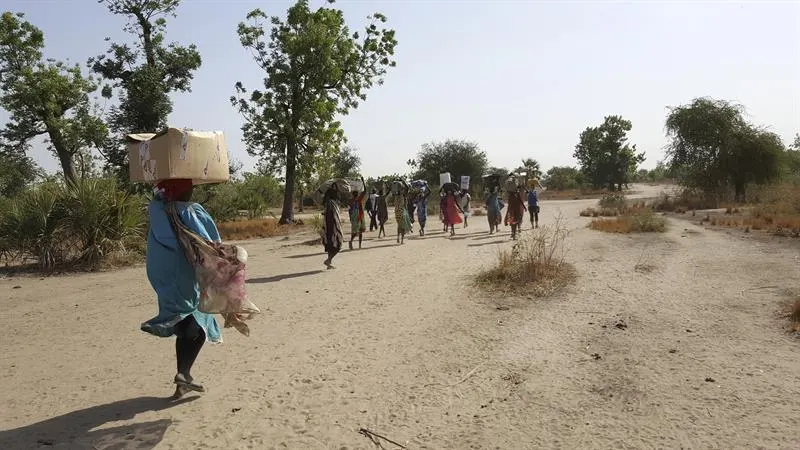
454, 156
315, 70
44, 97
713, 147
144, 74
605, 157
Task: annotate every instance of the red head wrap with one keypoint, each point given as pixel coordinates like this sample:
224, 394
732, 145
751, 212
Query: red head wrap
171, 190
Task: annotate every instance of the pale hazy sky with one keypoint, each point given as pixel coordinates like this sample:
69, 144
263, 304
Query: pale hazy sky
521, 78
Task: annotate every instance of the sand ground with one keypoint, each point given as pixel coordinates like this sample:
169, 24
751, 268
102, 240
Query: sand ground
692, 353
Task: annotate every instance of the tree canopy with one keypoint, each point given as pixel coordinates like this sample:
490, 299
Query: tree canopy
315, 69
713, 147
562, 178
531, 168
605, 157
44, 97
143, 74
457, 157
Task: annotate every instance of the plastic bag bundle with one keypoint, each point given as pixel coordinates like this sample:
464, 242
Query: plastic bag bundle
221, 272
342, 185
418, 187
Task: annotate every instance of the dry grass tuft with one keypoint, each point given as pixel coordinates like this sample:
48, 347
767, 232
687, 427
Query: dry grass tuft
572, 194
239, 230
599, 212
644, 268
683, 201
534, 265
642, 220
774, 209
478, 212
793, 314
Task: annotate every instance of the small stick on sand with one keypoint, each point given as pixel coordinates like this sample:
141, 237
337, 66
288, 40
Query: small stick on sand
459, 382
372, 436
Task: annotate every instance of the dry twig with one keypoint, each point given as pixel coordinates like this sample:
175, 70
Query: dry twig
375, 436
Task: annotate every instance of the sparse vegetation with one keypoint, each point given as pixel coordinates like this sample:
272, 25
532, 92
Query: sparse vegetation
572, 194
685, 200
239, 230
638, 220
612, 205
613, 201
535, 264
773, 208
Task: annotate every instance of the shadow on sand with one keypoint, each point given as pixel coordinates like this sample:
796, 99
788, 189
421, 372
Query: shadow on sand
488, 243
275, 278
344, 250
77, 430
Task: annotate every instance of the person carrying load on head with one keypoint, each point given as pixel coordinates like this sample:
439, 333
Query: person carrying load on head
533, 205
382, 211
358, 224
173, 278
372, 209
452, 207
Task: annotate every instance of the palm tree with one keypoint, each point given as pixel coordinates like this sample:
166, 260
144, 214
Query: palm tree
531, 168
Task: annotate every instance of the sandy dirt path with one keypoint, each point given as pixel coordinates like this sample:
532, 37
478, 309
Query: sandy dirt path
691, 353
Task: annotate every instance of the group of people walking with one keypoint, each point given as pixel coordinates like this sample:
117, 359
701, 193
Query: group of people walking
454, 204
173, 277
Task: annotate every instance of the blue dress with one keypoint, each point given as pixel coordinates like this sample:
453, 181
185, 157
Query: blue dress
422, 210
170, 273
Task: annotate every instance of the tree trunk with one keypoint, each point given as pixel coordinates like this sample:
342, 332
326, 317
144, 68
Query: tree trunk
63, 153
287, 214
68, 167
147, 39
302, 197
739, 196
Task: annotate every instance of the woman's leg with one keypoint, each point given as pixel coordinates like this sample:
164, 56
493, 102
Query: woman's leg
190, 338
536, 219
331, 253
360, 238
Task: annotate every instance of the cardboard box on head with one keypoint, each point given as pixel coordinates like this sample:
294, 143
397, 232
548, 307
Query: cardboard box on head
201, 156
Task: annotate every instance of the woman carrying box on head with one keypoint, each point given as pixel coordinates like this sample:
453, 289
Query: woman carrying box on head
173, 278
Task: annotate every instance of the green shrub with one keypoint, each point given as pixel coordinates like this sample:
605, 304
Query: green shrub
613, 201
84, 224
34, 226
103, 219
253, 195
221, 201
